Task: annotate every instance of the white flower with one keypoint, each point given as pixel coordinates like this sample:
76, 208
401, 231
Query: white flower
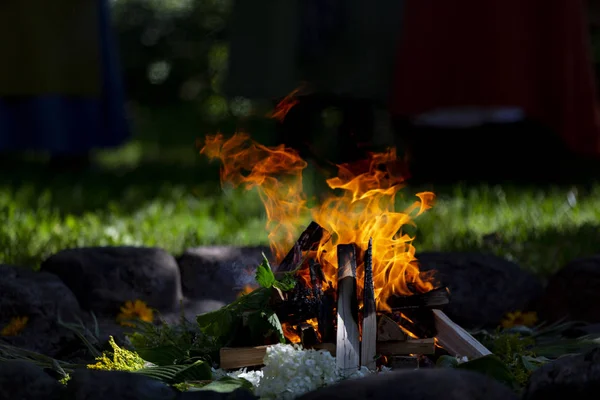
291, 371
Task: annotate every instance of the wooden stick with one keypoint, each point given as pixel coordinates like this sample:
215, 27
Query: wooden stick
456, 340
308, 240
348, 341
240, 357
409, 346
436, 298
389, 330
369, 326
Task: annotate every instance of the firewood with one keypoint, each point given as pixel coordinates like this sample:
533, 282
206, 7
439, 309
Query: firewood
409, 346
436, 299
240, 357
308, 240
308, 335
456, 340
369, 325
389, 330
348, 340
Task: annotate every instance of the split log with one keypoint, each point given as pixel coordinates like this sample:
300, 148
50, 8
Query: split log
308, 240
369, 325
409, 346
240, 357
434, 299
348, 340
456, 340
389, 330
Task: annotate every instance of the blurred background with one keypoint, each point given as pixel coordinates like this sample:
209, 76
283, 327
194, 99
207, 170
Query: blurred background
149, 186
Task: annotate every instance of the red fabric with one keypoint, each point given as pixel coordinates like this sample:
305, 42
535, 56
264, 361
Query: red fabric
533, 54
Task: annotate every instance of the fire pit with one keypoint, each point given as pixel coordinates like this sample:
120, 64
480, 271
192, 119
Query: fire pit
359, 293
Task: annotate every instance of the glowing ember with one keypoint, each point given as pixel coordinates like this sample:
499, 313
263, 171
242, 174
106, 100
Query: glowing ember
284, 106
364, 208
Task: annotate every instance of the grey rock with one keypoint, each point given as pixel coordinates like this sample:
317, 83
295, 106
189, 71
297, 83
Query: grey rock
103, 278
41, 297
219, 273
573, 292
87, 384
26, 381
423, 384
483, 287
239, 394
574, 376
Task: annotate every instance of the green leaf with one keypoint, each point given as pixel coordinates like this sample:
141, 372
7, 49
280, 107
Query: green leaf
274, 322
264, 274
532, 363
567, 346
162, 355
493, 367
217, 324
447, 362
263, 324
286, 283
173, 374
227, 384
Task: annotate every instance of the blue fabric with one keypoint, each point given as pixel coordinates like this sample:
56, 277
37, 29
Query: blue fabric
70, 124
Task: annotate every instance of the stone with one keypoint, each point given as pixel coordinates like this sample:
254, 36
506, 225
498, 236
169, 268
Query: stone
219, 273
573, 292
103, 278
27, 381
574, 376
434, 384
41, 297
238, 394
483, 287
91, 384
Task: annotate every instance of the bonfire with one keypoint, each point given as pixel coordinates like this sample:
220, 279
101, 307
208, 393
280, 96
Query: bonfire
359, 293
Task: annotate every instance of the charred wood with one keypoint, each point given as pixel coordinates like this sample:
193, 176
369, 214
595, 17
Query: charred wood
308, 240
434, 299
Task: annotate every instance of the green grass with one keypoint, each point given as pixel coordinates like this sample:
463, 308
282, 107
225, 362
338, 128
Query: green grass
154, 194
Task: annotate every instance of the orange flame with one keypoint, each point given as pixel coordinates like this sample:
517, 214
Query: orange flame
284, 106
364, 209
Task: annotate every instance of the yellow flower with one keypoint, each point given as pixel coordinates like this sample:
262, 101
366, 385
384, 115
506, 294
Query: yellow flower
519, 318
133, 310
14, 326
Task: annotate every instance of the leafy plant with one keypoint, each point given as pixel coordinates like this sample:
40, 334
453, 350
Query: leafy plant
250, 310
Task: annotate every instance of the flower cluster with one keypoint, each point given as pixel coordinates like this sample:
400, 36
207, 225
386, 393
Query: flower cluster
291, 371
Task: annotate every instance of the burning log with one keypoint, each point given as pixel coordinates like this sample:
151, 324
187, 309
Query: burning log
455, 339
348, 341
389, 330
324, 302
308, 335
436, 298
308, 240
420, 323
369, 325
